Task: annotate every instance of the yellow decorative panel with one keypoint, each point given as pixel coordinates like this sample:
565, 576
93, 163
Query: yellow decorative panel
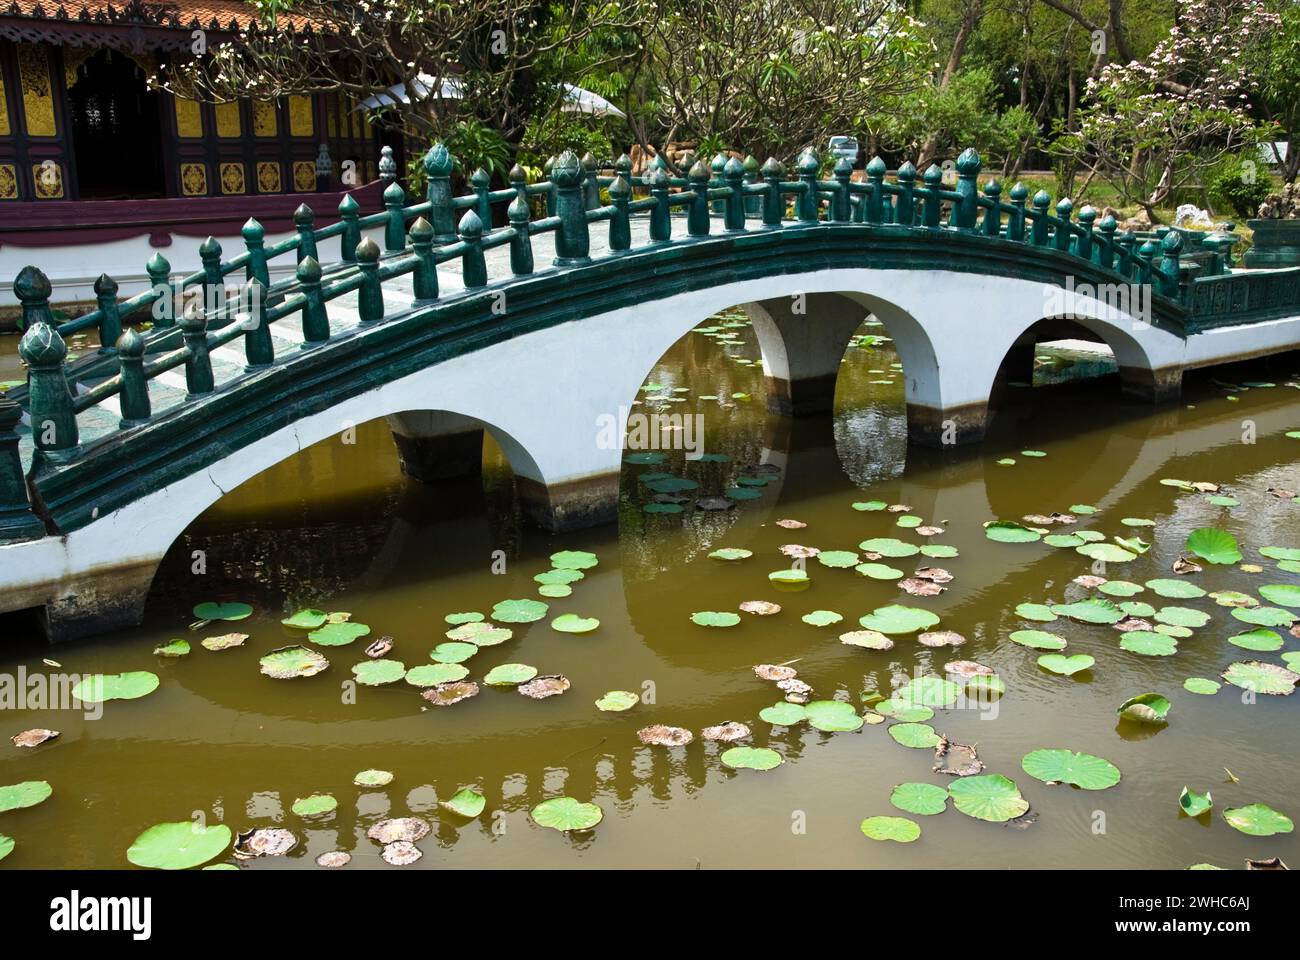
189, 118
48, 179
227, 120
4, 109
304, 176
194, 180
300, 123
38, 101
8, 181
264, 120
268, 177
232, 178
73, 58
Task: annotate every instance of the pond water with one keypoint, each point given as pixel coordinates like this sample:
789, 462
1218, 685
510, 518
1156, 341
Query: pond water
338, 528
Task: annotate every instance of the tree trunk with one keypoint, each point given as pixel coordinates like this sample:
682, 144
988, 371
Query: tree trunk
970, 19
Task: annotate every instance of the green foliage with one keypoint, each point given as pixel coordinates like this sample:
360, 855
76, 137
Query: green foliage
1240, 184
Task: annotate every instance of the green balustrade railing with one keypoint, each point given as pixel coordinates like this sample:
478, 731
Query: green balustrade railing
443, 229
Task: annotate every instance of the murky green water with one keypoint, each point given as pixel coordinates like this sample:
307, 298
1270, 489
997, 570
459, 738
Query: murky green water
339, 528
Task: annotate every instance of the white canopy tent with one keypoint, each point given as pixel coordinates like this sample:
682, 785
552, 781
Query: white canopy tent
576, 99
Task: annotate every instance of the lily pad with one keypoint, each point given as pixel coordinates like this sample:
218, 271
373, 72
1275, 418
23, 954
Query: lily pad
1175, 589
338, 634
1038, 640
1214, 545
373, 778
1095, 610
178, 846
224, 642
751, 758
791, 577
1121, 588
1038, 612
29, 793
821, 618
453, 652
783, 714
286, 663
1147, 643
1258, 820
1261, 677
1106, 552
539, 688
1264, 616
923, 799
222, 611
920, 736
509, 675
1260, 640
558, 577
1064, 766
467, 802
468, 616
566, 813
99, 687
572, 560
446, 694
432, 674
878, 571
898, 619
929, 691
315, 805
572, 623
307, 619
520, 611
1066, 666
1201, 685
173, 648
889, 547
939, 551
731, 553
1282, 594
715, 618
837, 559
988, 796
377, 673
616, 701
832, 716
898, 829
1008, 531
1194, 804
1149, 708
1182, 617
904, 711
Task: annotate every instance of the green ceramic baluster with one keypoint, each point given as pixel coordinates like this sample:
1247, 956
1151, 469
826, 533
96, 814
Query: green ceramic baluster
717, 169
395, 227
17, 521
841, 205
733, 171
134, 394
481, 183
349, 211
255, 241
1041, 227
753, 202
932, 208
370, 297
661, 222
773, 199
876, 198
966, 210
198, 367
214, 291
521, 244
1016, 221
1063, 237
590, 188
259, 351
697, 218
305, 222
110, 320
315, 318
438, 165
425, 279
808, 206
1083, 244
572, 242
620, 227
164, 305
905, 210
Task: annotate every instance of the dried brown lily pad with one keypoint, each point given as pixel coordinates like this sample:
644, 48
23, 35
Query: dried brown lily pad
1282, 493
933, 574
539, 688
928, 531
264, 842
762, 608
799, 552
662, 735
408, 829
334, 858
795, 690
1088, 581
956, 759
1037, 519
898, 508
445, 694
34, 737
871, 555
1064, 518
1295, 631
1129, 624
379, 648
870, 639
965, 669
773, 671
726, 732
401, 853
1272, 863
1186, 565
791, 524
921, 588
225, 641
714, 503
1204, 486
941, 638
762, 470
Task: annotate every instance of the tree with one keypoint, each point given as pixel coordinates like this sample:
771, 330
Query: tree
1278, 70
1152, 125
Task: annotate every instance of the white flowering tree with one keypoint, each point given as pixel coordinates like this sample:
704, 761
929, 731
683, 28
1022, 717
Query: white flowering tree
1154, 124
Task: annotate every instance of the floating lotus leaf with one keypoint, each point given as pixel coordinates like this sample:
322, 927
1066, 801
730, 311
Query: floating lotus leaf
1008, 531
286, 663
558, 577
432, 674
453, 652
264, 842
918, 735
173, 648
1135, 608
1033, 453
1201, 685
789, 576
401, 854
467, 802
760, 608
1149, 708
1233, 598
29, 793
726, 732
941, 638
821, 618
1064, 766
34, 737
929, 691
178, 846
870, 505
572, 623
1138, 522
6, 846
889, 547
572, 560
988, 796
1063, 540
904, 711
315, 805
663, 735
1260, 677
924, 799
616, 701
373, 778
520, 611
224, 642
539, 688
1148, 644
1258, 820
399, 830
878, 571
1221, 501
898, 829
832, 716
338, 634
1134, 545
554, 591
898, 619
939, 551
715, 618
743, 493
751, 758
222, 611
1106, 552
1182, 633
481, 634
1083, 509
838, 559
1292, 659
1090, 536
1039, 612
1120, 588
469, 616
1264, 616
1096, 610
445, 694
1281, 553
1214, 546
731, 553
99, 687
1260, 640
783, 714
376, 673
1194, 804
867, 639
1066, 666
1175, 589
663, 508
1182, 617
509, 675
307, 619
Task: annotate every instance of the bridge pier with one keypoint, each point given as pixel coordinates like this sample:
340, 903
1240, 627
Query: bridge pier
1151, 386
99, 602
435, 445
803, 338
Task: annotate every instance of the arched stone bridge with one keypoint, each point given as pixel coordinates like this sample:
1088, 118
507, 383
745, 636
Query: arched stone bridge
543, 328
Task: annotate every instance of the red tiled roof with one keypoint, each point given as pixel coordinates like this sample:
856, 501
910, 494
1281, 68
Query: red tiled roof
208, 14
